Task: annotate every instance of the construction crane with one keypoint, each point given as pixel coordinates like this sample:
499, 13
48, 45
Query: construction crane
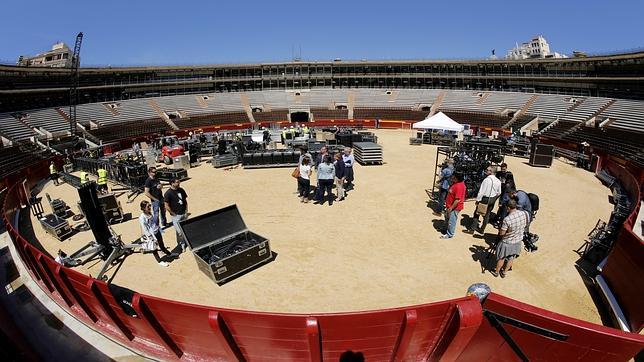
73, 90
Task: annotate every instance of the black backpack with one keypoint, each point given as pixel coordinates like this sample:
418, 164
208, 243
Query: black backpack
534, 201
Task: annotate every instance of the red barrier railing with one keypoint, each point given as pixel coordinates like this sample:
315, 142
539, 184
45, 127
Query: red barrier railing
624, 268
449, 330
582, 340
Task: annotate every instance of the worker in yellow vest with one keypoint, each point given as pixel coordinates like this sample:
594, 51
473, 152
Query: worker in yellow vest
83, 178
102, 180
284, 131
305, 130
53, 173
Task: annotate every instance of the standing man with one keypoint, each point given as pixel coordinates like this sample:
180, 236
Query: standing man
53, 173
340, 175
102, 180
83, 177
176, 202
507, 184
266, 137
446, 174
348, 160
489, 192
511, 235
154, 190
454, 204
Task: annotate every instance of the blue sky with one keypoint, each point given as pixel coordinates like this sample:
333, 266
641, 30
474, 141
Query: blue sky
202, 32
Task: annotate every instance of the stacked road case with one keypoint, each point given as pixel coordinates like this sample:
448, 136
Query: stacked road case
368, 153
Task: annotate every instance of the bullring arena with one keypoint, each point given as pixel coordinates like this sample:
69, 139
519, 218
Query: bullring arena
376, 249
368, 275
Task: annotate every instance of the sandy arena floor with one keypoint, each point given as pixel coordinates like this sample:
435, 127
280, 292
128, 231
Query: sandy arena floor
377, 249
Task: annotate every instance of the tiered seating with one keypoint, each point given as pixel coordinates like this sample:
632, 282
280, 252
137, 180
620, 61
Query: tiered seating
558, 129
272, 116
268, 99
626, 115
521, 121
389, 113
47, 119
478, 119
621, 143
413, 97
183, 104
460, 100
13, 129
132, 110
225, 102
498, 101
372, 98
549, 106
324, 98
321, 113
22, 155
93, 112
587, 109
212, 120
130, 129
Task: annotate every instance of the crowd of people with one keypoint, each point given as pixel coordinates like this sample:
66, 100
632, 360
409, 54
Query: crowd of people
330, 170
512, 218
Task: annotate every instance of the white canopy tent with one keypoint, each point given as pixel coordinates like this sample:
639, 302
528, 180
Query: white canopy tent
439, 121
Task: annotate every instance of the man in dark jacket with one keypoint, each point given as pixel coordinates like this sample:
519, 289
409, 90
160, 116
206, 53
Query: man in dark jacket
340, 175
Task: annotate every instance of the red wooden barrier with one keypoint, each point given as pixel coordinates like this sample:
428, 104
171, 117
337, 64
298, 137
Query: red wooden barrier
624, 268
585, 341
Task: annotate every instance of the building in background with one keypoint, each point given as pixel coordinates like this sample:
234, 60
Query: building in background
60, 56
536, 48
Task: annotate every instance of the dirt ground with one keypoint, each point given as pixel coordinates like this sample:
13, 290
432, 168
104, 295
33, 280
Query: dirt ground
379, 248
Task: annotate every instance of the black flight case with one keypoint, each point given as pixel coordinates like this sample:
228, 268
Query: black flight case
222, 244
167, 174
56, 226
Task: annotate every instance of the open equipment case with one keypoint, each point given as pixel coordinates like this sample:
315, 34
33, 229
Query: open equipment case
222, 244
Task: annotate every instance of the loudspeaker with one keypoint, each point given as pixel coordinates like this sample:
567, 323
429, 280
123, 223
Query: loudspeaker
541, 155
94, 215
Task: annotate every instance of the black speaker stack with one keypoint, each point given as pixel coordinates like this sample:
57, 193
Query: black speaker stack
541, 155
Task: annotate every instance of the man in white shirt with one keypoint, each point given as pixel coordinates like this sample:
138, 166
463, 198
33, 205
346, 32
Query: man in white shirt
489, 192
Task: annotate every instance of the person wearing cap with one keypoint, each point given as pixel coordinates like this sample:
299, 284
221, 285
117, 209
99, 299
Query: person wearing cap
443, 183
284, 135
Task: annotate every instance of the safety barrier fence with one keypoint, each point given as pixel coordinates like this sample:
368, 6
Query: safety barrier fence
459, 329
624, 267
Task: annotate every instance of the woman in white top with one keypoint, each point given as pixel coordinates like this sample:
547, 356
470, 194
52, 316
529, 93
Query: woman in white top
304, 181
150, 228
